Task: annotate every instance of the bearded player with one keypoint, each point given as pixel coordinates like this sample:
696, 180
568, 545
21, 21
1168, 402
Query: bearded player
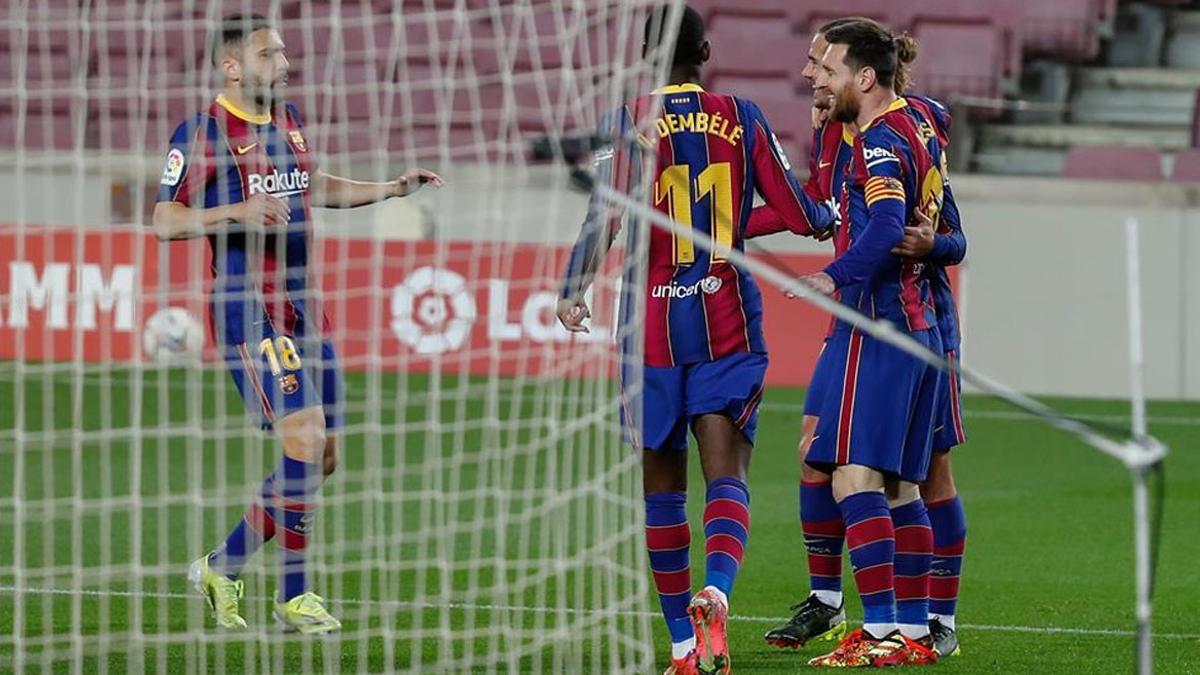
875, 427
821, 615
241, 174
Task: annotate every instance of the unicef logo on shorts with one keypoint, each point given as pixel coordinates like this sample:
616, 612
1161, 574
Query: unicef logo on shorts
433, 311
711, 285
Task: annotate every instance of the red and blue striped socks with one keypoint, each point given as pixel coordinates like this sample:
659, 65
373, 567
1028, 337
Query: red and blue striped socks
726, 530
668, 539
872, 543
256, 527
949, 522
914, 553
297, 488
824, 538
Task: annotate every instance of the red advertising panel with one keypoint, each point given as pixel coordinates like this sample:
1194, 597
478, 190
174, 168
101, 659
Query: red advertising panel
476, 307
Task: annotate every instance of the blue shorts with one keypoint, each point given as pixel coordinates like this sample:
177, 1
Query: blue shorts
879, 409
948, 430
280, 375
673, 397
819, 384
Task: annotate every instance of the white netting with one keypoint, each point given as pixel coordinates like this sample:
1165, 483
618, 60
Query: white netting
486, 514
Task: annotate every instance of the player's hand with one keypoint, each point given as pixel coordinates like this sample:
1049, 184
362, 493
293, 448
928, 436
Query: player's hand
572, 313
828, 232
263, 210
413, 180
819, 282
822, 103
918, 239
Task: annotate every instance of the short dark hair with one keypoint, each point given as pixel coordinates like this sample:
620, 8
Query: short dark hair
689, 42
233, 31
871, 45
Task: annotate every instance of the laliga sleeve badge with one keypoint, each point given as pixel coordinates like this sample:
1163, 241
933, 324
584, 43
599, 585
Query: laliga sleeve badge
288, 384
174, 168
298, 140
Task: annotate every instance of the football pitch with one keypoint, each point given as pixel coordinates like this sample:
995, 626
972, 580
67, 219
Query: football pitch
1047, 582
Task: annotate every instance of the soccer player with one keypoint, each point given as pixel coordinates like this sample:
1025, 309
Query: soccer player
945, 248
241, 174
704, 354
821, 615
875, 426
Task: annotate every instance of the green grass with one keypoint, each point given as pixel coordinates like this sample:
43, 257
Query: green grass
450, 500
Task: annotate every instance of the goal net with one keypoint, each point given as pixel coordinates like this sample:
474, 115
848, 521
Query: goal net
485, 514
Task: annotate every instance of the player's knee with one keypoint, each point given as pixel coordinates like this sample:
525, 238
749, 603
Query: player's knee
901, 493
939, 485
853, 479
808, 474
807, 429
303, 435
330, 462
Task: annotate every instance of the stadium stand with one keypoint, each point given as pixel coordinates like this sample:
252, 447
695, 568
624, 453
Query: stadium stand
1187, 167
1088, 74
1114, 163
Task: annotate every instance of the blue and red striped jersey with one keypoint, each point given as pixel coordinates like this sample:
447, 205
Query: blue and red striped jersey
893, 170
950, 246
711, 153
224, 156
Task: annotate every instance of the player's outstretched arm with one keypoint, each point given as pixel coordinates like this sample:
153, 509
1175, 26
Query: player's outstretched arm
176, 220
778, 186
336, 192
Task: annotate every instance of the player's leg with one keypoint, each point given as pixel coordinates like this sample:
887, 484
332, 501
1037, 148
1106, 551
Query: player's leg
333, 400
914, 534
722, 402
947, 516
914, 552
305, 403
216, 574
822, 614
949, 523
860, 438
663, 426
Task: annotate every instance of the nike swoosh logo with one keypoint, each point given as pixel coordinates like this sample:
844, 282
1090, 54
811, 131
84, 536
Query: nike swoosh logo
243, 150
822, 165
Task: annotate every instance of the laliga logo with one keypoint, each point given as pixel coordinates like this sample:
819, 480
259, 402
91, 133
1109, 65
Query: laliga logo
432, 311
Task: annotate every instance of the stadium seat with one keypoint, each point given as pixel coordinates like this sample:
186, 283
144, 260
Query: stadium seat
739, 43
1065, 29
788, 111
359, 86
1187, 167
957, 59
808, 16
41, 131
1113, 163
1005, 17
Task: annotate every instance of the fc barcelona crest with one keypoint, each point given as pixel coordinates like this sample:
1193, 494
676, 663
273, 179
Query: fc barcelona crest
297, 140
288, 384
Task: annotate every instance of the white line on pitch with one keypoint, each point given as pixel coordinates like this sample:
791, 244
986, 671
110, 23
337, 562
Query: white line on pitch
1164, 420
1111, 632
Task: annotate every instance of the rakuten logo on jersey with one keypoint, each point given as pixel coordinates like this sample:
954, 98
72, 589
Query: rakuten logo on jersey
279, 184
707, 285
